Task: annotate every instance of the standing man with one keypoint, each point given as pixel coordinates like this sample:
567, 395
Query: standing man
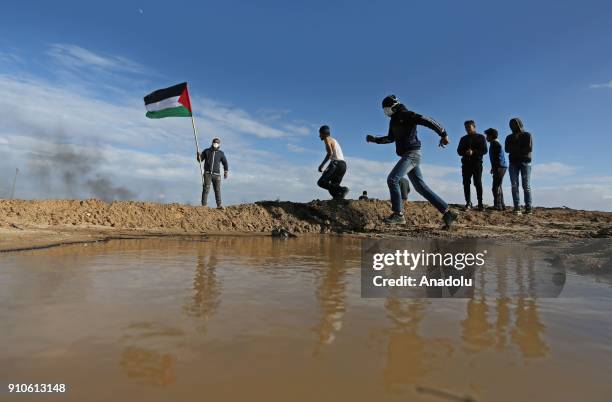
332, 176
364, 196
471, 148
213, 158
519, 146
403, 132
498, 168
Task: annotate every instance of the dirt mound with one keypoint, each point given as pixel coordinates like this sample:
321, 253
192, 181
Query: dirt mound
313, 217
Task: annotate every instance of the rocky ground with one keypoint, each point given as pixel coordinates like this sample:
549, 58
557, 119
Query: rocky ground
41, 223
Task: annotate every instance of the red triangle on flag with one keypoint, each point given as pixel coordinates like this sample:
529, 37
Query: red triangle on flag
184, 99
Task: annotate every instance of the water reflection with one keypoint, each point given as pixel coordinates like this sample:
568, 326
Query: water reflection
236, 315
206, 295
410, 355
331, 294
149, 366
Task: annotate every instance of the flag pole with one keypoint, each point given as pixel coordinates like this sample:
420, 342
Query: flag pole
195, 137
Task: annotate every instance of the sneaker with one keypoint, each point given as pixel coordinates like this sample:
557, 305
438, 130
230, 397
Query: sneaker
395, 218
528, 211
517, 211
481, 207
448, 218
468, 206
345, 191
220, 207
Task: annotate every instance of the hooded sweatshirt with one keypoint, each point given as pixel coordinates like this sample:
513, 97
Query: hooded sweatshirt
403, 130
212, 158
519, 143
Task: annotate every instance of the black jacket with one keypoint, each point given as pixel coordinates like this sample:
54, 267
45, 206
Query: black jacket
519, 144
212, 158
403, 130
475, 142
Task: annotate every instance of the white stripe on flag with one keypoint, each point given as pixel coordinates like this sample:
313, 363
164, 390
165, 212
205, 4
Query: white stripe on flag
163, 104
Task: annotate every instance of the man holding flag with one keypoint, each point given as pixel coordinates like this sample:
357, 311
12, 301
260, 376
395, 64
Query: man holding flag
174, 102
213, 158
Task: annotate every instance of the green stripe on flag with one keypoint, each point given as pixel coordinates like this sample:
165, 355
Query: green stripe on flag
180, 111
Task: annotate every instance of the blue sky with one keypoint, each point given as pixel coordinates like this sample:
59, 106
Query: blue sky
264, 75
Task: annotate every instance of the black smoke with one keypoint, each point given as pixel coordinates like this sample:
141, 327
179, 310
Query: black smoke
65, 172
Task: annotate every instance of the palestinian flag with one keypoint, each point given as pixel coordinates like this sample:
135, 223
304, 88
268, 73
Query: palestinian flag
168, 102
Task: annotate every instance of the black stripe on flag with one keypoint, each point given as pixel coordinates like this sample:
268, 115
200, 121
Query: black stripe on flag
165, 93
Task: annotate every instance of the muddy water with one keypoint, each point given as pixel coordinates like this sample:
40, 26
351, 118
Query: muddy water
257, 319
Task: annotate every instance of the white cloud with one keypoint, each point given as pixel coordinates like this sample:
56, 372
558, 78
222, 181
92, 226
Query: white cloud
10, 58
552, 170
155, 158
298, 149
73, 56
604, 85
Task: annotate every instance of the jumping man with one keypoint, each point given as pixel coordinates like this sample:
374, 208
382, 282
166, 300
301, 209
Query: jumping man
403, 132
332, 176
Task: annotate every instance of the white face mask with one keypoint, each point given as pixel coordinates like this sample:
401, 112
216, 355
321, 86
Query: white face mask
215, 145
388, 111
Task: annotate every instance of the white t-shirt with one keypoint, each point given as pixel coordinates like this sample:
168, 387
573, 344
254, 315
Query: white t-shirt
337, 154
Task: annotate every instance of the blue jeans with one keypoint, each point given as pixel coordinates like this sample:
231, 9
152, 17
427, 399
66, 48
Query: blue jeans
409, 165
524, 169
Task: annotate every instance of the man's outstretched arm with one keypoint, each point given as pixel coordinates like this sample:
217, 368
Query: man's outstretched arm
387, 139
435, 126
430, 124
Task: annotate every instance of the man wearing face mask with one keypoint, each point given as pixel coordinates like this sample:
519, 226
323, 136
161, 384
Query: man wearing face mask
403, 132
213, 158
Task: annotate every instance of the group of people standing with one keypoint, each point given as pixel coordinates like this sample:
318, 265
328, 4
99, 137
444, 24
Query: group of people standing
519, 145
472, 147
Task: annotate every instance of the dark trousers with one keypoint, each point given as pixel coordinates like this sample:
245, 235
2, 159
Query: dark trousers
472, 171
498, 192
215, 179
332, 177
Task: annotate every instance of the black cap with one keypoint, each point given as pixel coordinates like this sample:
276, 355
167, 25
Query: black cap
324, 130
390, 101
216, 140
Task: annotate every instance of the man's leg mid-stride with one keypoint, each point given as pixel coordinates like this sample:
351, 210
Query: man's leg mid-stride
401, 168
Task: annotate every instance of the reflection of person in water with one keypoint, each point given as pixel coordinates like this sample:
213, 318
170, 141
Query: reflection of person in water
528, 328
502, 304
409, 355
206, 287
331, 295
149, 366
476, 330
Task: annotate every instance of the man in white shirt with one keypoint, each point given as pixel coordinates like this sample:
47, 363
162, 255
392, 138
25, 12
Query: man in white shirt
333, 174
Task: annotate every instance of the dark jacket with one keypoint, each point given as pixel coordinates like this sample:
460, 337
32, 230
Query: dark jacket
519, 144
475, 142
497, 156
212, 158
403, 130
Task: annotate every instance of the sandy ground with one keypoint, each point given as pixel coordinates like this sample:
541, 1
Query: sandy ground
44, 223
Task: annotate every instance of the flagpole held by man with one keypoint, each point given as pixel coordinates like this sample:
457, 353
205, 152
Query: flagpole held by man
173, 102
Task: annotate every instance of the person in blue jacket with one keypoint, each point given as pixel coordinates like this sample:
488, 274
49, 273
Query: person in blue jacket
498, 168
